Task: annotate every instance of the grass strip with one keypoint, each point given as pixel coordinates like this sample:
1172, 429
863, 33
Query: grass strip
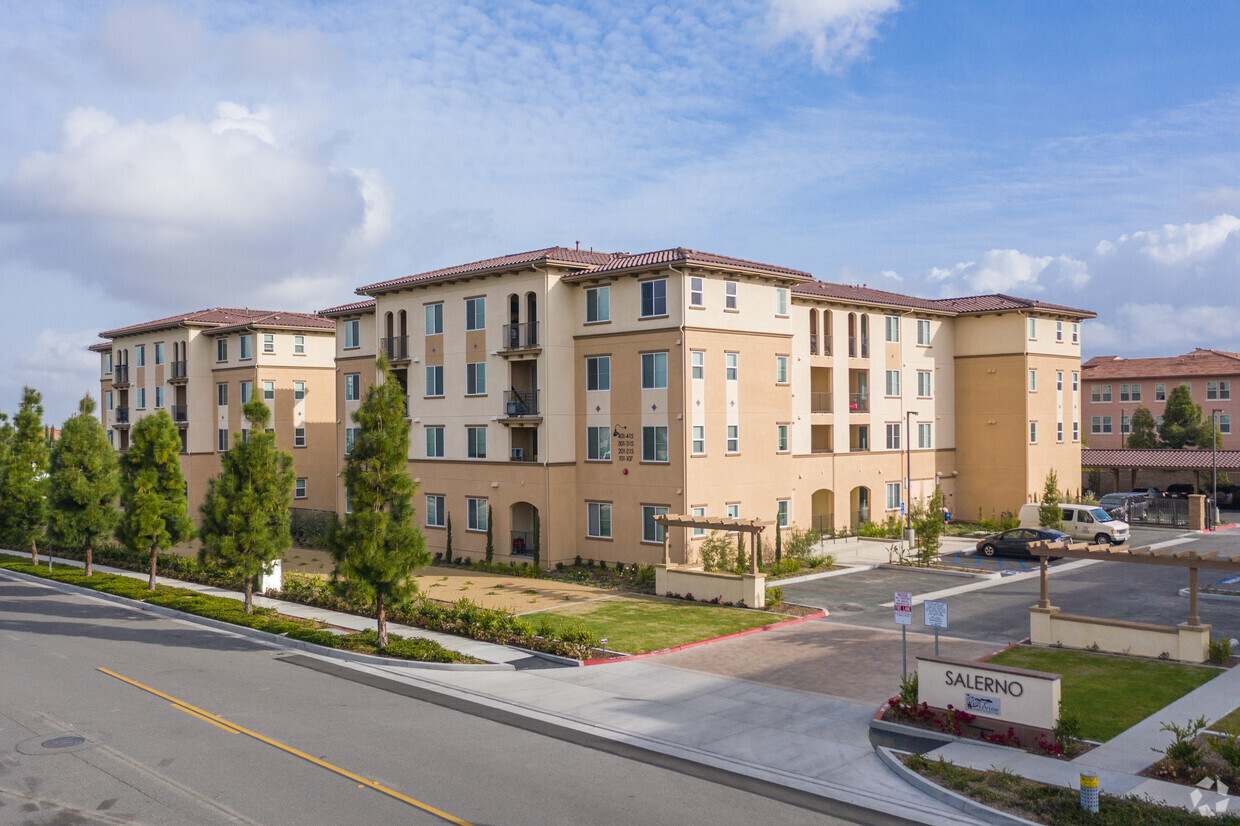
1109, 693
233, 612
1229, 724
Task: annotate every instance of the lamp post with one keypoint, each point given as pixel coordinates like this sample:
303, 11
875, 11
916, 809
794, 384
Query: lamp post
908, 464
1214, 454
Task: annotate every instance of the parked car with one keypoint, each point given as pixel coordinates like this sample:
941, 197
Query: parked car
1150, 493
1125, 505
1016, 541
1180, 490
1088, 522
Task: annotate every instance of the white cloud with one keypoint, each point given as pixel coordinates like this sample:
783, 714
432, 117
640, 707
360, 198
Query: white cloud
1166, 329
150, 42
1011, 271
837, 31
1184, 243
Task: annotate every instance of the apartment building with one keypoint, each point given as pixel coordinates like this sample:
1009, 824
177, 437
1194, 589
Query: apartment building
1115, 386
203, 367
588, 392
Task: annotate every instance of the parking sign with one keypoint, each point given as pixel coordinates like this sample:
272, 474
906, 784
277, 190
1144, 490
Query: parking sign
936, 614
904, 607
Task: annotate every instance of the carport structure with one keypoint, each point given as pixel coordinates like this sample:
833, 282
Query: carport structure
1195, 461
1190, 639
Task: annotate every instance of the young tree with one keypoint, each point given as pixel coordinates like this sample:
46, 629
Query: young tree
155, 511
779, 543
537, 540
23, 499
83, 484
245, 515
1144, 429
1049, 513
1182, 425
929, 526
490, 537
378, 548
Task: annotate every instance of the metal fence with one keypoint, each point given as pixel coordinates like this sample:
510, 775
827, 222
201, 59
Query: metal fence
1172, 513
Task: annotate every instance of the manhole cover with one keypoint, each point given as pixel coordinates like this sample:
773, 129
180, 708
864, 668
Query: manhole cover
62, 742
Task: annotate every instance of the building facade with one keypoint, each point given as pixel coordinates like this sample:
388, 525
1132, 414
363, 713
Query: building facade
1114, 387
585, 392
203, 367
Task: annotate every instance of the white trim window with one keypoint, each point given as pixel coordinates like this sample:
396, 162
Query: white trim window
434, 381
244, 347
350, 438
598, 372
893, 496
654, 298
1076, 381
221, 394
139, 352
221, 349
891, 329
247, 392
299, 345
299, 437
221, 439
1059, 432
159, 397
697, 364
598, 304
734, 438
476, 442
353, 387
1076, 431
269, 391
891, 383
434, 441
476, 378
699, 440
925, 435
598, 444
652, 531
159, 352
698, 533
269, 343
1076, 333
923, 332
435, 510
476, 313
893, 436
781, 369
654, 371
1059, 380
731, 299
654, 443
141, 393
352, 334
1033, 381
697, 296
923, 384
781, 438
598, 520
1224, 423
1160, 392
732, 366
434, 319
1033, 433
734, 512
476, 514
781, 301
1059, 333
299, 488
299, 391
783, 512
1033, 329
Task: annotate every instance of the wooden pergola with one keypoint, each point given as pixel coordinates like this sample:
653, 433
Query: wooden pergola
722, 523
1174, 557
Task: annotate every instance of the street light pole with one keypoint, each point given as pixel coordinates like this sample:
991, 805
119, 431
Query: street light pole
1214, 453
908, 464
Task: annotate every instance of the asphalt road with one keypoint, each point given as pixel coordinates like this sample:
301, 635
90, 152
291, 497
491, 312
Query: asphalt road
188, 725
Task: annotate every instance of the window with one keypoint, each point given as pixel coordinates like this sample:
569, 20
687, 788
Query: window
353, 386
141, 398
1059, 380
299, 345
434, 442
1224, 423
1033, 433
350, 438
221, 349
1216, 390
783, 512
654, 298
781, 369
1076, 381
732, 365
893, 436
697, 361
476, 313
893, 496
1124, 393
891, 329
1033, 329
1101, 424
159, 397
734, 438
598, 520
1033, 381
781, 438
221, 437
269, 343
923, 384
107, 364
781, 301
476, 442
477, 514
923, 332
652, 531
1075, 333
476, 378
696, 298
729, 295
247, 392
925, 436
698, 533
243, 347
598, 304
733, 512
352, 334
140, 355
434, 380
159, 352
111, 441
1100, 393
221, 395
435, 511
299, 437
598, 373
892, 383
434, 321
1160, 392
1076, 431
699, 440
598, 444
299, 390
1059, 432
654, 444
1059, 336
299, 488
269, 391
654, 371
107, 399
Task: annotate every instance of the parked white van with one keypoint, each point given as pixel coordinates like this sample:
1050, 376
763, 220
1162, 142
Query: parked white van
1087, 522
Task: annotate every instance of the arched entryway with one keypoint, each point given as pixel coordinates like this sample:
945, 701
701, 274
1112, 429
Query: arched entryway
823, 510
523, 518
859, 506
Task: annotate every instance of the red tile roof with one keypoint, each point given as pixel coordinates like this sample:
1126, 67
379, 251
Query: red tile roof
851, 293
346, 309
214, 317
100, 347
1197, 363
1098, 457
677, 256
999, 303
554, 255
280, 320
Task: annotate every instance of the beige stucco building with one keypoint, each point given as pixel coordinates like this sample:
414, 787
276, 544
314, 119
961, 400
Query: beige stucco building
594, 390
202, 367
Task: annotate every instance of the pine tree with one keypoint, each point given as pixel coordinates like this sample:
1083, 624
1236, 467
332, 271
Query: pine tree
447, 554
490, 539
1049, 513
23, 499
1182, 425
1144, 430
537, 540
779, 543
155, 511
245, 514
378, 548
84, 485
741, 559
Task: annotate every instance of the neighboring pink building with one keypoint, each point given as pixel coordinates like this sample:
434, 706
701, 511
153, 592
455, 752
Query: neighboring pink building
1113, 387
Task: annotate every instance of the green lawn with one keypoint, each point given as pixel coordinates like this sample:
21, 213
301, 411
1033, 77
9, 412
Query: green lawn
635, 624
1229, 724
1110, 693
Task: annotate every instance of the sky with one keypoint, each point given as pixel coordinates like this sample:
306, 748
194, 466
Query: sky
162, 157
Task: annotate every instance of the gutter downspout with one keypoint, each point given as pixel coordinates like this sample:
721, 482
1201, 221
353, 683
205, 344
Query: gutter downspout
686, 421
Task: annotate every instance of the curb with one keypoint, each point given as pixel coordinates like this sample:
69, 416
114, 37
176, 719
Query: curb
273, 640
957, 801
982, 574
1208, 595
845, 569
745, 633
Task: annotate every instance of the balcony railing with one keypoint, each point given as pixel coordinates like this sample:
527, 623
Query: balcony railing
395, 347
180, 369
520, 336
858, 402
813, 344
521, 454
120, 374
826, 344
522, 543
520, 403
122, 415
862, 351
180, 413
820, 402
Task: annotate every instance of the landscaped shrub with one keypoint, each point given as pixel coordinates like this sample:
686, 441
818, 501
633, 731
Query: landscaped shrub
715, 551
1184, 752
774, 596
309, 527
1220, 651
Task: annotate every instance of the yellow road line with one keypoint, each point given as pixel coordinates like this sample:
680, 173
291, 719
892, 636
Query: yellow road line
228, 729
225, 724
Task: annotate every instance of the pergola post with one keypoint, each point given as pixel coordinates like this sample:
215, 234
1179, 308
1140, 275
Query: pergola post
667, 544
1193, 618
1044, 601
1115, 473
753, 551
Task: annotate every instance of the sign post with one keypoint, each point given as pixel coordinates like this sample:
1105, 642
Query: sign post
935, 617
904, 618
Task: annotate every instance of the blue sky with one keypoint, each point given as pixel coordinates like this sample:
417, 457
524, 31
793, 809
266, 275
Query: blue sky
161, 157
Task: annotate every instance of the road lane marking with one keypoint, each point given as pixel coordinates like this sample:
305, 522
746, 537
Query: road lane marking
222, 723
228, 729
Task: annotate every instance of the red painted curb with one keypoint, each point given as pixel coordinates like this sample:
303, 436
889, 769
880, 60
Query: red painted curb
772, 626
1007, 647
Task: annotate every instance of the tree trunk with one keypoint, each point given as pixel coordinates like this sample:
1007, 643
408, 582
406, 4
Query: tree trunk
154, 557
249, 595
382, 615
89, 560
34, 552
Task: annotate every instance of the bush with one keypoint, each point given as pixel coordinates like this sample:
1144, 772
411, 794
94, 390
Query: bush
774, 596
419, 649
716, 552
891, 529
1227, 748
1220, 651
310, 527
1184, 752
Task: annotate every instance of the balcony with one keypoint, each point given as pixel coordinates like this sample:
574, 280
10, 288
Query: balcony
180, 414
858, 402
122, 416
520, 406
120, 376
858, 347
179, 372
396, 348
520, 454
820, 403
520, 338
522, 543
